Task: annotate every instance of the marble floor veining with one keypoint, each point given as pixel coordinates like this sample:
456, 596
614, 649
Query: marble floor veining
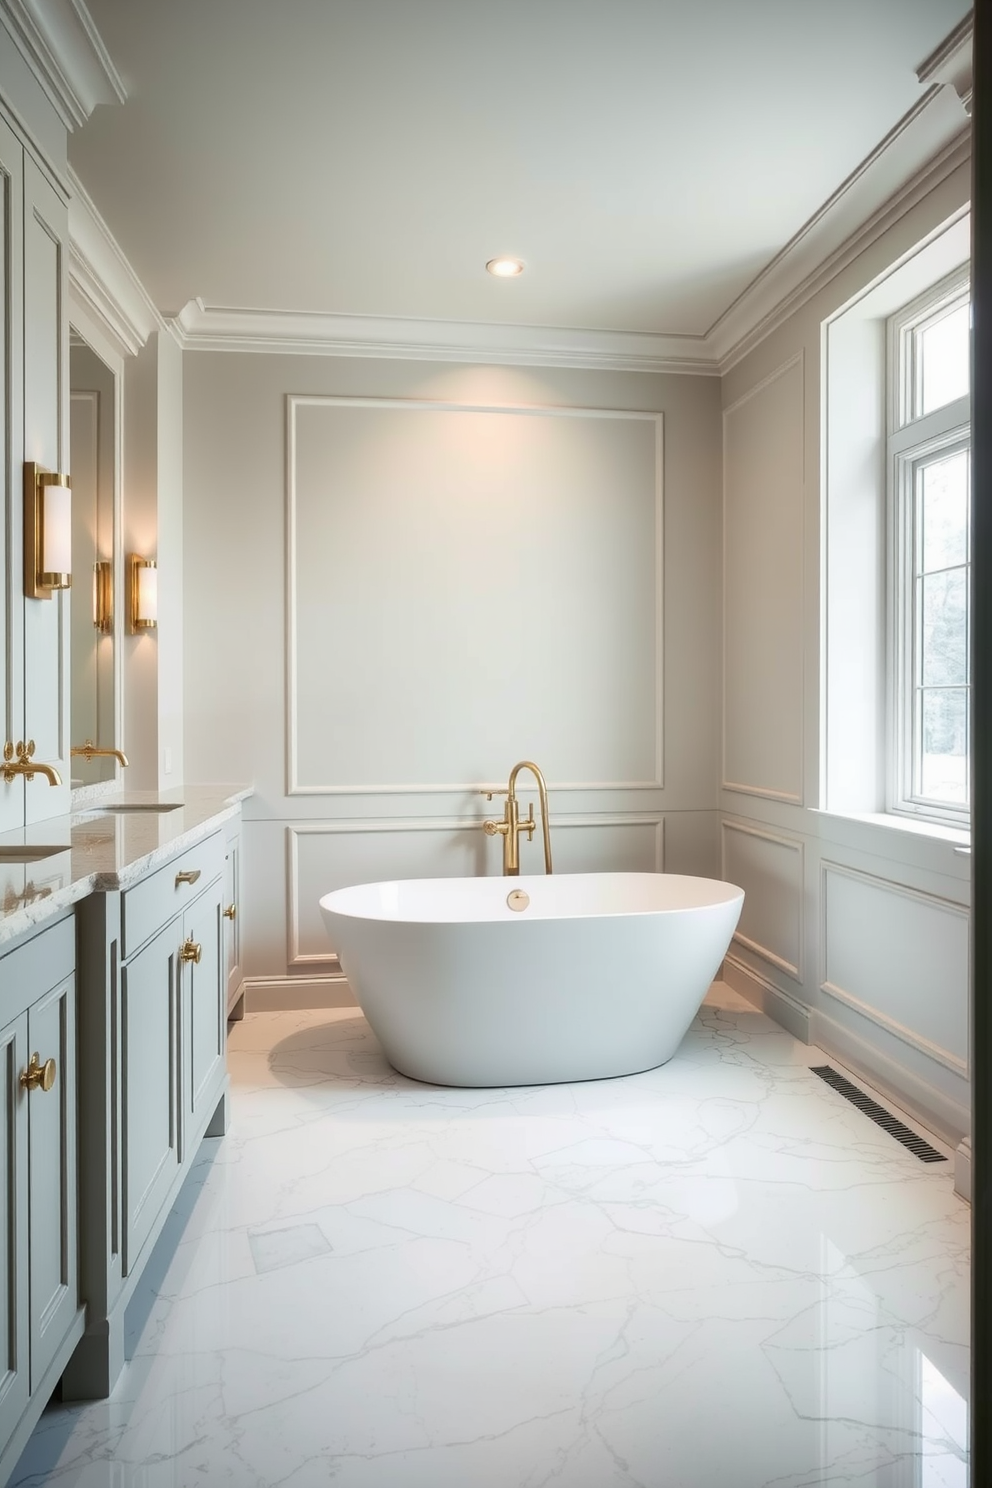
718, 1274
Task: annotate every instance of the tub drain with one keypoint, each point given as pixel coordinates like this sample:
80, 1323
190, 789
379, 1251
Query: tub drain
517, 899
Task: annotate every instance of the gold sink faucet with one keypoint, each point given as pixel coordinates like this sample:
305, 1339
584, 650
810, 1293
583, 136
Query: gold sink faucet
25, 765
89, 751
511, 826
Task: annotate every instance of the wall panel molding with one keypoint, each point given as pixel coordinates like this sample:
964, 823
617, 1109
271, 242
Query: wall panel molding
795, 847
655, 821
895, 1026
297, 787
757, 689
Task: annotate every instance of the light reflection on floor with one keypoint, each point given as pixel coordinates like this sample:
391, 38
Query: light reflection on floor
718, 1274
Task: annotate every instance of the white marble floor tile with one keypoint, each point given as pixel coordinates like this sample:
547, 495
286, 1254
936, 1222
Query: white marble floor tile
717, 1274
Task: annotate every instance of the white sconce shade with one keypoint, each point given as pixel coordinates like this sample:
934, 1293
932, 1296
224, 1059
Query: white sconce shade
142, 575
47, 532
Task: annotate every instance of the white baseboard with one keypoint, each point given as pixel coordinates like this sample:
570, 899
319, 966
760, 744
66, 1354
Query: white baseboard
281, 994
788, 1011
916, 1097
962, 1169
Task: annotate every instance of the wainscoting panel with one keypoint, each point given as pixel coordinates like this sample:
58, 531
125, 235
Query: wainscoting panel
899, 957
769, 868
763, 442
464, 582
330, 855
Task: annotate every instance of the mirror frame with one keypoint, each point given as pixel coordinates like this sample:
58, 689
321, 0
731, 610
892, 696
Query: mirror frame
82, 321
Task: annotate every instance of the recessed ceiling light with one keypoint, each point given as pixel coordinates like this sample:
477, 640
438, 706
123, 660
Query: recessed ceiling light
505, 268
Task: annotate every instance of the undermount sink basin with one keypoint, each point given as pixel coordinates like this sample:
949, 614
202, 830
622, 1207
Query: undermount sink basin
140, 806
23, 854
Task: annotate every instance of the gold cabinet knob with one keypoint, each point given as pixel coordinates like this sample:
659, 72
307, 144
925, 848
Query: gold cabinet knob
230, 911
191, 951
39, 1076
190, 876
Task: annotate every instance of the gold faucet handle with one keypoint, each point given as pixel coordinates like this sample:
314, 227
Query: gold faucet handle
495, 791
494, 828
529, 825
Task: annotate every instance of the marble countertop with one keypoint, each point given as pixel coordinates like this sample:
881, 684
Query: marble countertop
100, 847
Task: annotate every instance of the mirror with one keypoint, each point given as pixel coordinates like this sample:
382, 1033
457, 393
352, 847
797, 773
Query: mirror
94, 450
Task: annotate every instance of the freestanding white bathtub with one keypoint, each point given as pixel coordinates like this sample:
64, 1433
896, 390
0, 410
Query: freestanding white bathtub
599, 974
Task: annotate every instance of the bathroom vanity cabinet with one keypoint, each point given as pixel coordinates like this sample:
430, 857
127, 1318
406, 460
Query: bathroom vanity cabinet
153, 1082
41, 1318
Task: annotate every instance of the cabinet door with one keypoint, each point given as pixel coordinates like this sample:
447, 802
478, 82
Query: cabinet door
14, 1375
12, 446
46, 440
232, 920
52, 1177
150, 1041
204, 1005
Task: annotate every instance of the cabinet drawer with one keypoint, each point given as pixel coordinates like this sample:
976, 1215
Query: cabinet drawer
36, 967
160, 896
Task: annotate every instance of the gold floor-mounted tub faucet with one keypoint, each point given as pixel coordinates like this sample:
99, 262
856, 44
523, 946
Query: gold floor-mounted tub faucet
511, 826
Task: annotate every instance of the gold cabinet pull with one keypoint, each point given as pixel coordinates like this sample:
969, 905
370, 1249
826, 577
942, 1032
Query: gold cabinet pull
190, 876
39, 1076
230, 911
191, 951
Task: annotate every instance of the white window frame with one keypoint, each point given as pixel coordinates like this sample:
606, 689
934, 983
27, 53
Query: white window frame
912, 442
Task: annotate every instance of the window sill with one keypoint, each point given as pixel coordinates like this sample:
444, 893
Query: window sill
957, 837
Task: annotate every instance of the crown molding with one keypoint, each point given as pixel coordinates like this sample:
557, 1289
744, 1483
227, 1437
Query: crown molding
951, 63
64, 50
926, 146
103, 279
201, 327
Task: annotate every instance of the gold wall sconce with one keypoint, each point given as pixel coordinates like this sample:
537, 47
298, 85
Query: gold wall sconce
103, 597
142, 594
47, 531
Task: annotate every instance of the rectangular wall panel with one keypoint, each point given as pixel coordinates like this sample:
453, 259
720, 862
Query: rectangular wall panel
769, 869
468, 583
763, 580
327, 856
899, 957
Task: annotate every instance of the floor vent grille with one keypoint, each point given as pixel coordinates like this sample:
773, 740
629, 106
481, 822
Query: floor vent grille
878, 1114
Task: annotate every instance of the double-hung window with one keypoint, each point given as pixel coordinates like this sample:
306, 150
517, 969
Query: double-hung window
929, 476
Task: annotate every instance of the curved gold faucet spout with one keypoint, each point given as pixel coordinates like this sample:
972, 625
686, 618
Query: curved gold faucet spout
542, 791
511, 826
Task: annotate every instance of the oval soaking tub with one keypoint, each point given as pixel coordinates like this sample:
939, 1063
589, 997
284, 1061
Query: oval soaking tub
596, 974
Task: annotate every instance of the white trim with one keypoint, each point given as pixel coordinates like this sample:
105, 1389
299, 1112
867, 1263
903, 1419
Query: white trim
293, 401
906, 1035
102, 277
261, 993
962, 1170
784, 1009
795, 844
951, 63
66, 54
924, 1103
424, 824
201, 327
798, 359
808, 262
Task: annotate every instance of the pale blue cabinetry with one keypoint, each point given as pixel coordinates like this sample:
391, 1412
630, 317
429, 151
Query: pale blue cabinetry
41, 1319
153, 1078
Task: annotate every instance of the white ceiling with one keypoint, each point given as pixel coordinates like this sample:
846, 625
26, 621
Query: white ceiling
646, 158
